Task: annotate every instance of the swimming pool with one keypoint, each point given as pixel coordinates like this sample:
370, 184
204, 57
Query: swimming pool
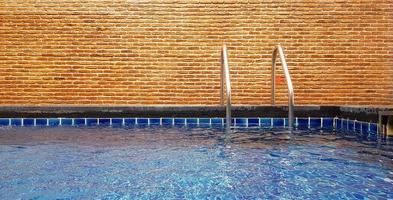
190, 162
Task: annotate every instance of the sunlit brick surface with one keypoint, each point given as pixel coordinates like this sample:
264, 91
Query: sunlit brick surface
102, 52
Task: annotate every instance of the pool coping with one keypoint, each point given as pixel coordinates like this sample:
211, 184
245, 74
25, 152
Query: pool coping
349, 112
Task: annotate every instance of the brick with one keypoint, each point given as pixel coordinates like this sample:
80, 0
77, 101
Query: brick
167, 52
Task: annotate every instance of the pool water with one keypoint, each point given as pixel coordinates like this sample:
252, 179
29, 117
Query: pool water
190, 163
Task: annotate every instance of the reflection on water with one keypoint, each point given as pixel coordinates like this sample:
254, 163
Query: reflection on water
190, 163
178, 136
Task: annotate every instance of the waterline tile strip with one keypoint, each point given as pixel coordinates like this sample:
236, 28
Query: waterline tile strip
326, 123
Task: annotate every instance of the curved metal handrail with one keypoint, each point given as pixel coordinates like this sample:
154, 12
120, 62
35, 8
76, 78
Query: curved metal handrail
225, 73
291, 94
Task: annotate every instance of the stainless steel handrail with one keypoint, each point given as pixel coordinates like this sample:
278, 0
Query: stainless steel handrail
227, 82
291, 94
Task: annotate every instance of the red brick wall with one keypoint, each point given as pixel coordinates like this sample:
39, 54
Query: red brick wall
101, 52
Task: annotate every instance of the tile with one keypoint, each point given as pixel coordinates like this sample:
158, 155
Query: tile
192, 121
266, 122
204, 121
4, 122
302, 123
66, 121
104, 121
278, 122
154, 121
91, 121
54, 122
327, 123
315, 123
28, 122
339, 124
358, 126
167, 121
351, 124
117, 121
365, 127
345, 125
180, 121
253, 122
16, 122
373, 128
240, 121
79, 121
129, 121
217, 121
142, 121
41, 122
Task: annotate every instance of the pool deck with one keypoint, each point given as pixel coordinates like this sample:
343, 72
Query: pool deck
358, 113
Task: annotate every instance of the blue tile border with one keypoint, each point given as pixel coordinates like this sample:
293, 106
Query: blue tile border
253, 122
129, 121
53, 122
278, 122
373, 128
154, 121
104, 122
327, 123
266, 122
358, 126
79, 121
351, 126
242, 122
41, 122
4, 122
191, 121
142, 121
180, 121
117, 121
66, 122
28, 122
204, 121
315, 123
16, 122
302, 122
216, 121
338, 123
366, 129
92, 121
167, 121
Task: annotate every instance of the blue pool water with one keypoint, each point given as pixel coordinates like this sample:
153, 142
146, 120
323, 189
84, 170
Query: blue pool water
190, 163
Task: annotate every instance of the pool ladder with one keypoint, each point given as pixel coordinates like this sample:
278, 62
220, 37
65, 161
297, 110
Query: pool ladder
225, 80
291, 94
